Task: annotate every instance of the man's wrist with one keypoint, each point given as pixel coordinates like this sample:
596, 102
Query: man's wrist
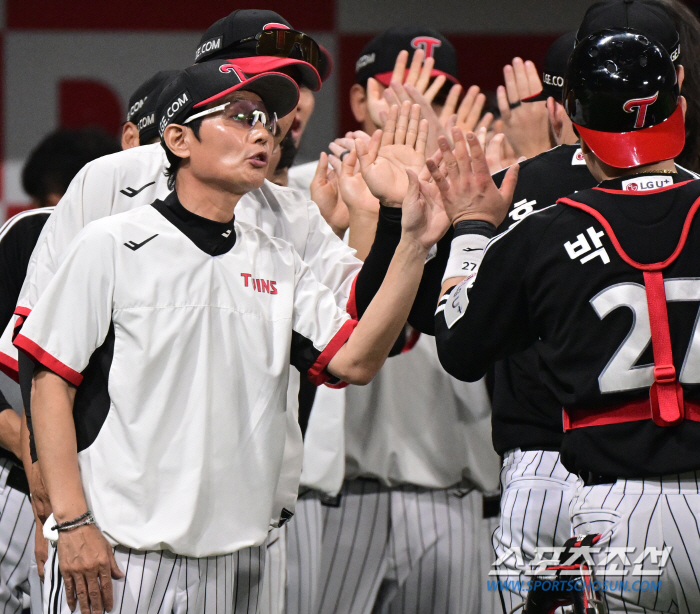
475, 216
389, 203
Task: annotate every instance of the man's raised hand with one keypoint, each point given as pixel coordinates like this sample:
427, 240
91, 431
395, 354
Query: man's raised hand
399, 147
465, 184
526, 125
423, 219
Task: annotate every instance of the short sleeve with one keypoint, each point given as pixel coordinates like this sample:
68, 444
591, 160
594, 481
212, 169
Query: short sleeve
319, 327
73, 315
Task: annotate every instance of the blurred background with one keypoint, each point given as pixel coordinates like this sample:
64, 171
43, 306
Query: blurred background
74, 63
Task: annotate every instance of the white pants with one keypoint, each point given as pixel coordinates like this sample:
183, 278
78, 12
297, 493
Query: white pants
404, 549
163, 582
16, 544
536, 491
639, 514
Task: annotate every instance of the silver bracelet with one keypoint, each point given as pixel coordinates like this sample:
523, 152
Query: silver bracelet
81, 521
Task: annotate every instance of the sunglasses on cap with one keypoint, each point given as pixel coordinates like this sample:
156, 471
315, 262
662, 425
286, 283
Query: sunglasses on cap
244, 112
283, 43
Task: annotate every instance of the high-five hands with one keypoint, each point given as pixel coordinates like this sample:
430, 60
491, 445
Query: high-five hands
391, 152
465, 184
526, 125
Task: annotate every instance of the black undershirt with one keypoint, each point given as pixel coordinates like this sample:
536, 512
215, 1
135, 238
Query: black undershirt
213, 238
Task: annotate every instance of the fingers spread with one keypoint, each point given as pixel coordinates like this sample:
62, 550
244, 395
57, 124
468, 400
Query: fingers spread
478, 160
511, 83
533, 78
422, 137
390, 127
451, 165
414, 70
347, 168
435, 87
509, 183
425, 74
461, 152
485, 121
401, 125
521, 78
412, 128
450, 102
503, 104
400, 66
467, 104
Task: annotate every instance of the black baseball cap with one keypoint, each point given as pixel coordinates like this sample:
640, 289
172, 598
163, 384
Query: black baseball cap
198, 85
222, 41
647, 18
555, 69
378, 57
143, 104
621, 93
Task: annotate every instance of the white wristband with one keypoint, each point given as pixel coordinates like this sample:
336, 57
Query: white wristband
466, 254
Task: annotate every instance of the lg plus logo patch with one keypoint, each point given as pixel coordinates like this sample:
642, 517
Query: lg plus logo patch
632, 187
427, 44
641, 104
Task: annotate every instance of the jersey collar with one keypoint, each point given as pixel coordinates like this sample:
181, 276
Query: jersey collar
645, 183
213, 238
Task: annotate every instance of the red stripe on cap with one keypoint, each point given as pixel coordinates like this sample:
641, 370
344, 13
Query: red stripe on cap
275, 26
317, 374
50, 362
385, 77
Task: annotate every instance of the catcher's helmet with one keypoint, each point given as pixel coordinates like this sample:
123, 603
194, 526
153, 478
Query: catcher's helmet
622, 95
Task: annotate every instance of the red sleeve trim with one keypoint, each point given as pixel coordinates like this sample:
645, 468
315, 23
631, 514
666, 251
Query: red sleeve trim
22, 311
317, 374
351, 307
9, 366
50, 362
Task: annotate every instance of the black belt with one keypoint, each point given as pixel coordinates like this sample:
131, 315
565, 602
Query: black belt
17, 479
594, 479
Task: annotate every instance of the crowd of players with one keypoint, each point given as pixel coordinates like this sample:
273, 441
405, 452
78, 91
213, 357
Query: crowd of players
152, 307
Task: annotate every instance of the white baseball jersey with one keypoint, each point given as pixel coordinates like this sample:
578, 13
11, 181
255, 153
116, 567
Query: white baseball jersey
415, 424
128, 179
300, 176
185, 348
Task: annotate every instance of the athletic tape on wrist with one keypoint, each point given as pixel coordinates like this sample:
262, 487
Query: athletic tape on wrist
466, 254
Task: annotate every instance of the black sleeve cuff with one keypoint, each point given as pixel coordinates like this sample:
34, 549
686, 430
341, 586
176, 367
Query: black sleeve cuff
475, 227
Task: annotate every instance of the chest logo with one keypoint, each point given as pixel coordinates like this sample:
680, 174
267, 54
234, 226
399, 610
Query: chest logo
133, 246
266, 286
582, 249
131, 192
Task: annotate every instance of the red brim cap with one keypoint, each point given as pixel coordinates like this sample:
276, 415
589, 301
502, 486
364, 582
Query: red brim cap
385, 77
268, 63
278, 92
629, 149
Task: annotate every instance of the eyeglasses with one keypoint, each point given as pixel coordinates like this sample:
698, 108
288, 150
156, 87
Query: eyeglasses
285, 44
243, 112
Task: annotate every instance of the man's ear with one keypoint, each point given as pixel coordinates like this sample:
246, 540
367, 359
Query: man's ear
358, 102
130, 135
176, 138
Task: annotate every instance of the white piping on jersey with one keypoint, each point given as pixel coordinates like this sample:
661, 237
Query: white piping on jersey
20, 216
505, 232
693, 173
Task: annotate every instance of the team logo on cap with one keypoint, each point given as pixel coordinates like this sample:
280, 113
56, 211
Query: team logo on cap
365, 60
275, 26
641, 104
427, 44
234, 69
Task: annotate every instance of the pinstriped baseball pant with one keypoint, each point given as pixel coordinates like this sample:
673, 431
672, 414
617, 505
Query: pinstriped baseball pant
536, 491
163, 582
16, 543
652, 513
403, 549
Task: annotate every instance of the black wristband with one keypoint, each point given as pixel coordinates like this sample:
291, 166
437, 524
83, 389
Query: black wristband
389, 220
475, 227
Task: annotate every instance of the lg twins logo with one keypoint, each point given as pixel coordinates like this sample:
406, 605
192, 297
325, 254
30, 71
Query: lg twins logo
641, 104
427, 44
224, 68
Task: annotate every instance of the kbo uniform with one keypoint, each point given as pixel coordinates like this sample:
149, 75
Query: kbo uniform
602, 285
178, 332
